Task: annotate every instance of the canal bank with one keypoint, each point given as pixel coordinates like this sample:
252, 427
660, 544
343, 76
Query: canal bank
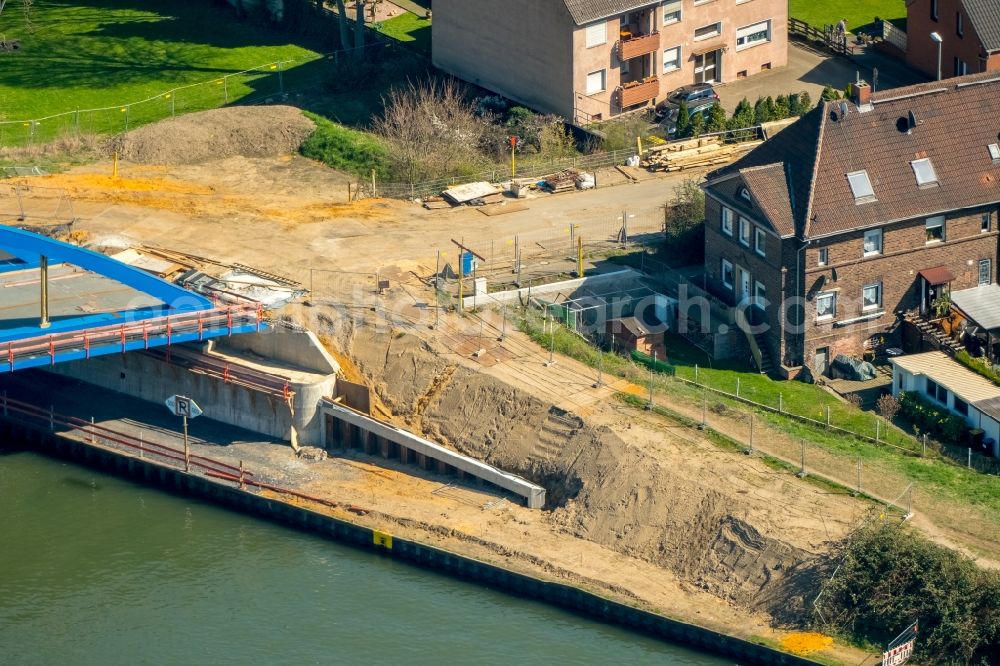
222, 488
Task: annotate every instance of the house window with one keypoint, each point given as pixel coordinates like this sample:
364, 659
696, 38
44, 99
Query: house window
934, 227
959, 26
707, 31
924, 171
826, 305
985, 222
861, 186
671, 12
930, 387
745, 194
751, 35
745, 231
873, 242
597, 34
727, 274
994, 149
727, 221
671, 59
961, 67
942, 394
871, 296
759, 295
961, 406
824, 257
596, 82
934, 10
985, 271
759, 239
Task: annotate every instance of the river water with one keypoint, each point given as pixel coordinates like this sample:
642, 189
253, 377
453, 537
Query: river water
98, 570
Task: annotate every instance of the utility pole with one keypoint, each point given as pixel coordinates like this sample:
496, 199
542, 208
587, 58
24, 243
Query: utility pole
579, 256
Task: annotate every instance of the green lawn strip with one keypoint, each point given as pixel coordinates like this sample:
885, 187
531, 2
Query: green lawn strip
108, 54
818, 13
937, 476
346, 149
413, 30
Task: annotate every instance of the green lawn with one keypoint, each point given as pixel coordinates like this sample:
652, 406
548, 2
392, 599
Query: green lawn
411, 29
108, 53
859, 13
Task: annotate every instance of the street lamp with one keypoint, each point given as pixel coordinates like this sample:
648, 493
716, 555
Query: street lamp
936, 38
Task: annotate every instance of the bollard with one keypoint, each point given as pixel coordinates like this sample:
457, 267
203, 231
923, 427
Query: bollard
780, 410
695, 373
737, 387
969, 463
923, 451
877, 427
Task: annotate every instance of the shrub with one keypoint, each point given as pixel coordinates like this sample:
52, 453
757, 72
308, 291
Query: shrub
980, 366
892, 576
685, 228
931, 419
887, 406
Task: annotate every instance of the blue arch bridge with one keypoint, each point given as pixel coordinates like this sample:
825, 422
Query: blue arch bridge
60, 302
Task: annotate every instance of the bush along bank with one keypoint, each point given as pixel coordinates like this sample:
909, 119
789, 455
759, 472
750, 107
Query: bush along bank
936, 422
891, 576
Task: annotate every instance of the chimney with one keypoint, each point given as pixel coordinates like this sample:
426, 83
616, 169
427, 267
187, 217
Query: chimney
861, 95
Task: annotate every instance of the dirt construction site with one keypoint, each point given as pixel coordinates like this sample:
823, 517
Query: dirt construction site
640, 507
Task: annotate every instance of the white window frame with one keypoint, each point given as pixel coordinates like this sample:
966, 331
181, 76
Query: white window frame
718, 31
744, 226
823, 256
670, 9
592, 35
864, 247
753, 29
994, 150
824, 295
924, 172
677, 66
934, 10
732, 274
861, 186
701, 2
760, 241
759, 294
986, 223
988, 264
745, 194
934, 223
878, 301
604, 81
727, 221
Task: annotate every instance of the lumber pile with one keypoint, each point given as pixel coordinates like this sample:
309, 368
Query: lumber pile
695, 153
434, 203
562, 181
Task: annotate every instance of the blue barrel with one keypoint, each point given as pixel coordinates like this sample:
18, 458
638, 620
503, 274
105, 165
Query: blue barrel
468, 263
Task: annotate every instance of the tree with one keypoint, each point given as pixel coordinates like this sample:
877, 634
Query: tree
716, 119
793, 105
342, 23
805, 103
683, 123
781, 107
887, 407
359, 30
685, 222
697, 125
761, 111
829, 94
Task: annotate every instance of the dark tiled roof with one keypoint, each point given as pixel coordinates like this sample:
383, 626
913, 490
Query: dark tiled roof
985, 17
585, 11
769, 188
955, 122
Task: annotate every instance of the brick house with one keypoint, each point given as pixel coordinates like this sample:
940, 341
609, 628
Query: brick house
593, 59
969, 30
859, 214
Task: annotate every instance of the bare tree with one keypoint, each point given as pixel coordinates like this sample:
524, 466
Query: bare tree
432, 129
887, 406
26, 6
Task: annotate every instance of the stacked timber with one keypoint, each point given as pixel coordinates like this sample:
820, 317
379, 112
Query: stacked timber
695, 153
562, 181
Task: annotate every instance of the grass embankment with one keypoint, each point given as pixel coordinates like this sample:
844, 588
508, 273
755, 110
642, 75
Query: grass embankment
109, 53
346, 149
818, 13
937, 476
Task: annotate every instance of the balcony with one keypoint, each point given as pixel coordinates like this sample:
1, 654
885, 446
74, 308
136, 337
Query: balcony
639, 45
639, 92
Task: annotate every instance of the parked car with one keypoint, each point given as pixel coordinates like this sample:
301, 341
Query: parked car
696, 95
703, 109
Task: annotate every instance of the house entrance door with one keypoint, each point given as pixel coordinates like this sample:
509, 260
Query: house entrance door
743, 282
706, 66
822, 360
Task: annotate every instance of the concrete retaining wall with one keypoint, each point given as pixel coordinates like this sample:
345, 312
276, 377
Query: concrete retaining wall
557, 594
299, 348
534, 496
147, 378
521, 295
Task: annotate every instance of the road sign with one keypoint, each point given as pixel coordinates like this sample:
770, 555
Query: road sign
181, 406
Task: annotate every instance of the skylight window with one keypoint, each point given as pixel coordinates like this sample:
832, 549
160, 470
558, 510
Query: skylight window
861, 186
924, 171
995, 151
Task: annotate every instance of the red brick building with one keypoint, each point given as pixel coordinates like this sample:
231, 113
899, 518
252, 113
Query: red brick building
970, 36
856, 215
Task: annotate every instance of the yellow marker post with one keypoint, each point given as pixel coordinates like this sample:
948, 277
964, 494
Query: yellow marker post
638, 143
383, 539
